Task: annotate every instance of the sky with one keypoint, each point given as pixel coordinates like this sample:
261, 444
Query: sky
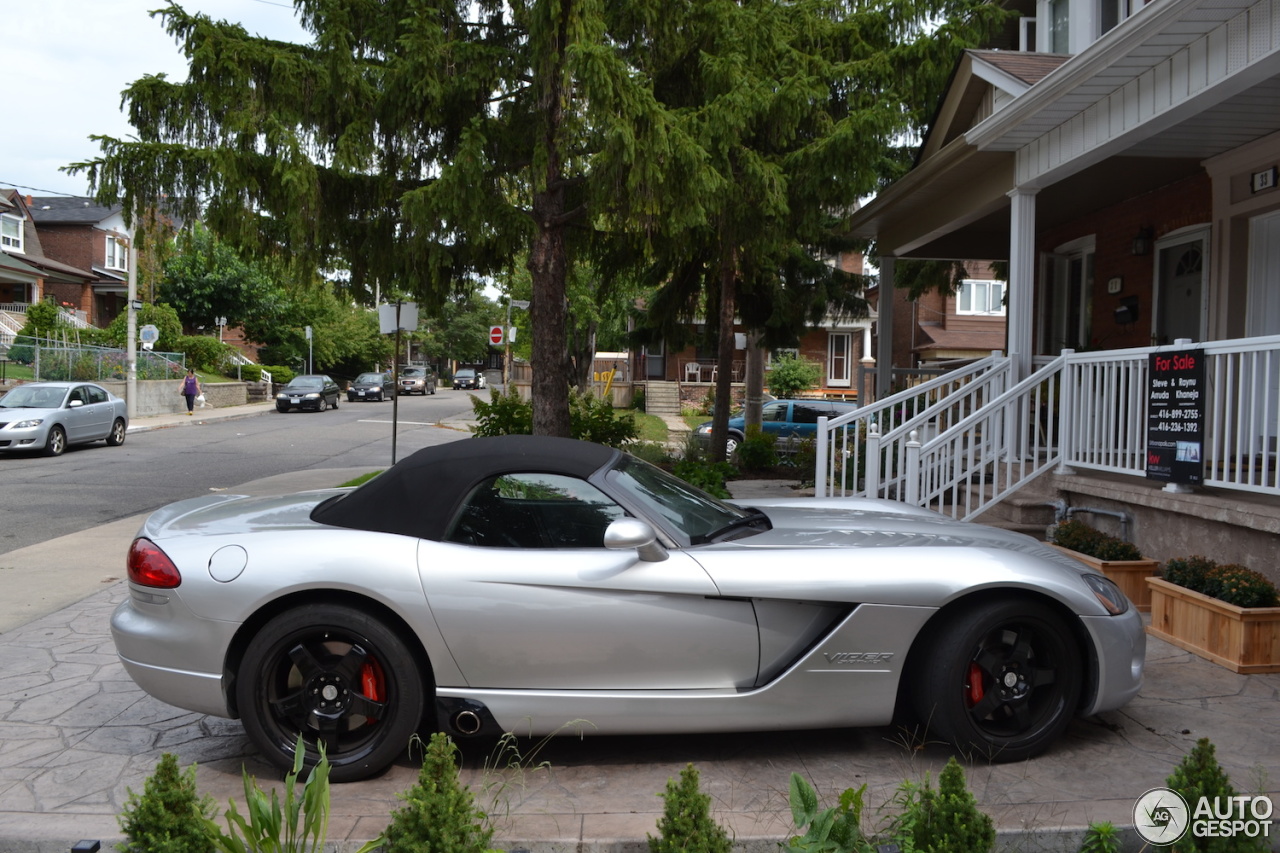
66, 63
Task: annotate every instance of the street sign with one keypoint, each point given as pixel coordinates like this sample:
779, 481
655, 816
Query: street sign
149, 334
495, 334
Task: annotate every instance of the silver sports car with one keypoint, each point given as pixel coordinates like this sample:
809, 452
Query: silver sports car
50, 416
520, 583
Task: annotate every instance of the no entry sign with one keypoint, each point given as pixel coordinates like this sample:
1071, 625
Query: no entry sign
495, 334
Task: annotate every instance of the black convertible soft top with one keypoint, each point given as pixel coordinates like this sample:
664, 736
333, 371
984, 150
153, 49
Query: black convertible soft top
419, 495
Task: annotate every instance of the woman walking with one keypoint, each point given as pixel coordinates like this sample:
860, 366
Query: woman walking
190, 389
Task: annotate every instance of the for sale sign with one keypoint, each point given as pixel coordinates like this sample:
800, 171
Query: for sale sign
1175, 417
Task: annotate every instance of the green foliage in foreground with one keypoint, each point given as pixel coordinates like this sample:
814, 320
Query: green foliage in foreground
686, 825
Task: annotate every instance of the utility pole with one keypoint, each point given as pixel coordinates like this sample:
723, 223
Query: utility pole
131, 334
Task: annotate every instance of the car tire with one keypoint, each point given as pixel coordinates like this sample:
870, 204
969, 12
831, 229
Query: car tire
311, 671
56, 443
282, 409
115, 438
323, 405
335, 402
1001, 679
731, 443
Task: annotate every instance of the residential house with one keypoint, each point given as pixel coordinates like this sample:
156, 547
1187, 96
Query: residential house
839, 343
1122, 157
89, 236
28, 274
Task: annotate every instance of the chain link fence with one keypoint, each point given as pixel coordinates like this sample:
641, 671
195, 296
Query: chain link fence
53, 360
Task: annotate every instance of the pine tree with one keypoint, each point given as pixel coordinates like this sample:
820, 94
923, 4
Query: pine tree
418, 144
1200, 775
439, 814
169, 816
686, 825
948, 820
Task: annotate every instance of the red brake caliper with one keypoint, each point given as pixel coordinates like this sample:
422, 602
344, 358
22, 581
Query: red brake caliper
973, 690
372, 682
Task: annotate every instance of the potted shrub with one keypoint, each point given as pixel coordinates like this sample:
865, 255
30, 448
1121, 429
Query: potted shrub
1225, 613
1109, 555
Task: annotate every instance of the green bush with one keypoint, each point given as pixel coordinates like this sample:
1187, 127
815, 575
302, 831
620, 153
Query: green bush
204, 352
1101, 838
653, 452
505, 414
169, 816
1187, 571
1078, 536
943, 821
686, 825
1200, 775
593, 418
757, 451
1242, 587
706, 475
280, 374
1230, 582
590, 418
439, 813
790, 375
251, 372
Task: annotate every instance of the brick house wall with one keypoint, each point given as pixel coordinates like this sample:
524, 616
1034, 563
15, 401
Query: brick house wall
1177, 205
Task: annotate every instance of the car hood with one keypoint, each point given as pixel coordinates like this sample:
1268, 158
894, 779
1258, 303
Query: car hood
798, 523
20, 413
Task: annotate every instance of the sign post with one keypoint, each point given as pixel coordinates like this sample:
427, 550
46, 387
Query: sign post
1175, 418
397, 317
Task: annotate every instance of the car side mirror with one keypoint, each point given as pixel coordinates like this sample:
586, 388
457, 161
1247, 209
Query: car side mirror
75, 404
632, 534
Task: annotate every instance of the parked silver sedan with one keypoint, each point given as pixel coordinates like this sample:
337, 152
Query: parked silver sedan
51, 416
520, 583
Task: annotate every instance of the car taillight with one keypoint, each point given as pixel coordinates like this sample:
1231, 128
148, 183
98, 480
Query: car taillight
149, 566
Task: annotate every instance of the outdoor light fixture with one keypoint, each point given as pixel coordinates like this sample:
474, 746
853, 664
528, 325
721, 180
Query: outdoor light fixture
1142, 242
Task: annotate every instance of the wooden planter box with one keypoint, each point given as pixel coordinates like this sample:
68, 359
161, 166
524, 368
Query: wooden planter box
1130, 575
1243, 639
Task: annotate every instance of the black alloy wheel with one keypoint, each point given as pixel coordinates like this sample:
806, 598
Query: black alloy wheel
338, 677
1001, 680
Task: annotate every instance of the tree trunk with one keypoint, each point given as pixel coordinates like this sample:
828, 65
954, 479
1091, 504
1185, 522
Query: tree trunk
724, 356
548, 261
753, 394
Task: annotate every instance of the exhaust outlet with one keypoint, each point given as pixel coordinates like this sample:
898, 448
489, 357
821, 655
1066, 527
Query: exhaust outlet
466, 722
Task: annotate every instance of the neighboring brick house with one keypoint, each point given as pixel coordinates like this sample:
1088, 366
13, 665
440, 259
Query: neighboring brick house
28, 271
88, 236
840, 344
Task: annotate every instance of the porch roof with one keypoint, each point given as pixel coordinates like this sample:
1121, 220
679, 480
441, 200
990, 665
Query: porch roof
1142, 107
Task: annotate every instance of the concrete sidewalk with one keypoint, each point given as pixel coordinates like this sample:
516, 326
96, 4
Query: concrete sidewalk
76, 735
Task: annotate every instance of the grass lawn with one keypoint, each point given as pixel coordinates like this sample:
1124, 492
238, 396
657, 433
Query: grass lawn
651, 427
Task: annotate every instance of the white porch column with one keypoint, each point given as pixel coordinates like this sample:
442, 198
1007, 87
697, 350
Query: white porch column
884, 326
1022, 266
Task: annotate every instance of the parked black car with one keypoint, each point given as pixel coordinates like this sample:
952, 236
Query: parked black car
317, 392
417, 380
372, 387
467, 377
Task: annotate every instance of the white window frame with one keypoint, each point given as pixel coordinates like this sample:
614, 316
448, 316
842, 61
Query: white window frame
12, 243
992, 305
839, 359
117, 254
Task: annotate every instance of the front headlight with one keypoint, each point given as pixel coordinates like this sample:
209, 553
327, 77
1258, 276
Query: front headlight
704, 430
1108, 594
282, 396
313, 395
27, 424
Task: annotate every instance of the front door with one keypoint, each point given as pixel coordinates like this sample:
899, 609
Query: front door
1264, 275
1180, 290
655, 361
839, 359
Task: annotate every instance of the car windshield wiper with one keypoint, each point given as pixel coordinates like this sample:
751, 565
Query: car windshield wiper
755, 519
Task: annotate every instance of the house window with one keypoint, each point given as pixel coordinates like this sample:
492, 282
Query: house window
117, 254
980, 297
11, 232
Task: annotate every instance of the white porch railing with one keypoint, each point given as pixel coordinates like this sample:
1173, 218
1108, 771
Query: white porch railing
1081, 410
845, 454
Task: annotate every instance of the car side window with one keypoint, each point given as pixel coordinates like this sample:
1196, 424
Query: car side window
774, 412
806, 413
78, 393
534, 511
96, 395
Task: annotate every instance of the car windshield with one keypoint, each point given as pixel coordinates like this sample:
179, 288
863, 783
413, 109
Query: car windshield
465, 373
306, 383
369, 379
698, 517
412, 371
33, 397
